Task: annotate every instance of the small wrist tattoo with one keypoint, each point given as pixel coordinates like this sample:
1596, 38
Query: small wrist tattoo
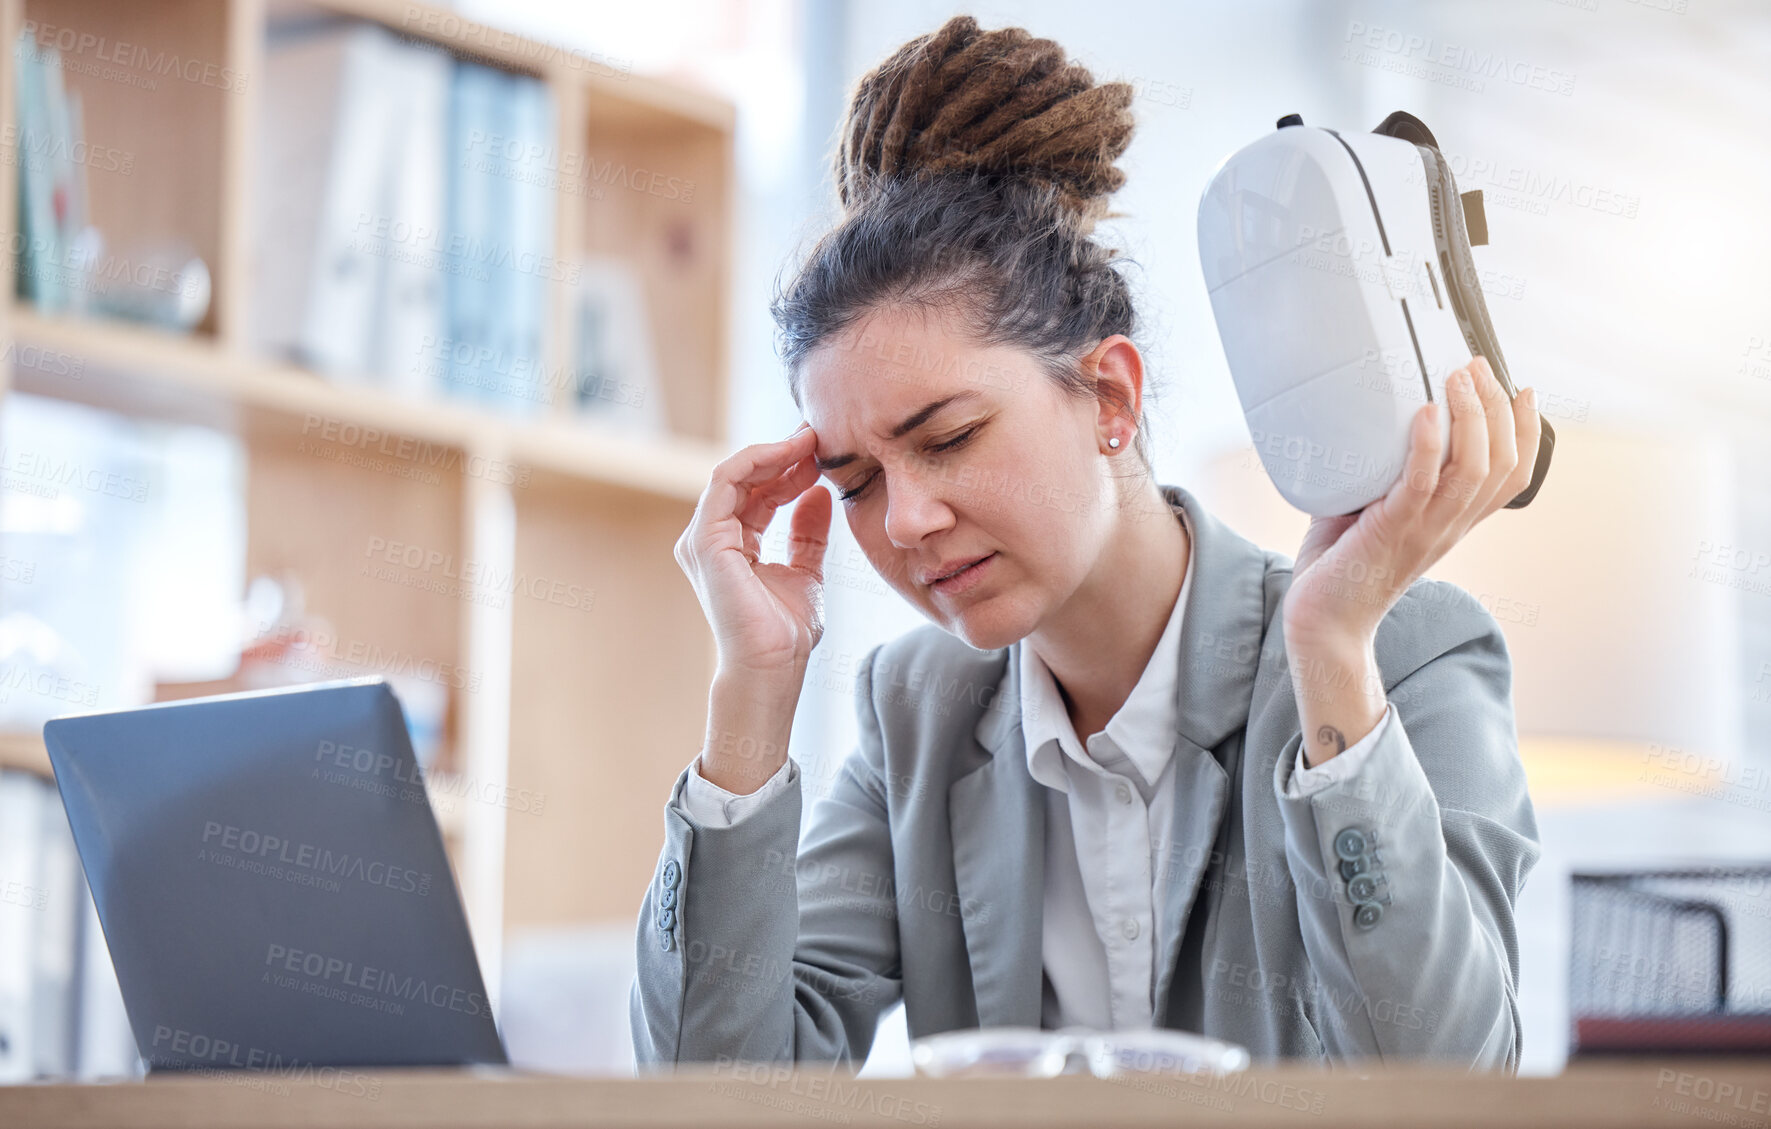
1329, 735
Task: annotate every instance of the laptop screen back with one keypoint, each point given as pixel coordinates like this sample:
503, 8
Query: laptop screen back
272, 883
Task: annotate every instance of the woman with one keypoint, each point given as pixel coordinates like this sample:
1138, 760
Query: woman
1138, 772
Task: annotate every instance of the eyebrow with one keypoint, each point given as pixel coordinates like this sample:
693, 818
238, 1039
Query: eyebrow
911, 423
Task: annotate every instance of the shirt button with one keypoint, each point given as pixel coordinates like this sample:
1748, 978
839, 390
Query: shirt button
1124, 794
1131, 929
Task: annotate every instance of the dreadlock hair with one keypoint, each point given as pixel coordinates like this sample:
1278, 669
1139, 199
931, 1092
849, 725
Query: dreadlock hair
971, 170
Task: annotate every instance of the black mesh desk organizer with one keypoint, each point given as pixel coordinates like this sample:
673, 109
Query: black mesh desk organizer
1669, 961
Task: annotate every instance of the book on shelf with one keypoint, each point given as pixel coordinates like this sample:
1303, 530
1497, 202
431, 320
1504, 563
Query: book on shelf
476, 198
336, 116
409, 311
406, 230
524, 268
61, 1014
614, 367
46, 177
65, 264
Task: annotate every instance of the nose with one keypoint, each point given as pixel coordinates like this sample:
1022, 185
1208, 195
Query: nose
914, 507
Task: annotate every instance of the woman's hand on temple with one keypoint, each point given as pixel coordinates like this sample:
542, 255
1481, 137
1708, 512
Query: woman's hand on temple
766, 616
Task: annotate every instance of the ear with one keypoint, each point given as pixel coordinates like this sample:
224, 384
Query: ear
1118, 368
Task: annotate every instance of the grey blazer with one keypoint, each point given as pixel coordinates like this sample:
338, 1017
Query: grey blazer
1373, 919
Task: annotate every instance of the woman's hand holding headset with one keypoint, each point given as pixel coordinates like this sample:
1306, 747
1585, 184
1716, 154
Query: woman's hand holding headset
766, 616
1353, 568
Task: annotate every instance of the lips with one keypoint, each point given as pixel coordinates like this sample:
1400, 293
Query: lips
947, 570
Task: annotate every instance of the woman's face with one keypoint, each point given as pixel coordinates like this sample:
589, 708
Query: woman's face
943, 452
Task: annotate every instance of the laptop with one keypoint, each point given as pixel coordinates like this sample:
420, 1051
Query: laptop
272, 882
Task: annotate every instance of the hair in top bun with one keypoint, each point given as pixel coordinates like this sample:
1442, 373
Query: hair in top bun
971, 169
964, 100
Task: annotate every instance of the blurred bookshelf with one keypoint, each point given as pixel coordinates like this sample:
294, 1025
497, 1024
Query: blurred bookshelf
24, 752
552, 753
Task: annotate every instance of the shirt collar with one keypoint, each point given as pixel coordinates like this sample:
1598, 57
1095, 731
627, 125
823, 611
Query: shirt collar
1144, 728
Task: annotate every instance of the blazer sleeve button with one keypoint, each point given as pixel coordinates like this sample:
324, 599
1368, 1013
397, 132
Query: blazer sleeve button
1367, 915
672, 874
1350, 844
668, 898
666, 941
1363, 888
667, 919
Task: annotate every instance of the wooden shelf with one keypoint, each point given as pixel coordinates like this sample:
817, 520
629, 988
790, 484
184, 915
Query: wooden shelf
138, 371
589, 705
640, 96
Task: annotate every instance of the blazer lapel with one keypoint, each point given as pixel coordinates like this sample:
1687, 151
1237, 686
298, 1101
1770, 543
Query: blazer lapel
1222, 633
1201, 789
997, 818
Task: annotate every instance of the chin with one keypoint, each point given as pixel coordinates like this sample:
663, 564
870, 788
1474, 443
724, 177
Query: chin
987, 626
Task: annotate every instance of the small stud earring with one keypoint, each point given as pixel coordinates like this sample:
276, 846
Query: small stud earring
1113, 442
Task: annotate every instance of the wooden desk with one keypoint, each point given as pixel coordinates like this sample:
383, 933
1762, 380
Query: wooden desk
1691, 1093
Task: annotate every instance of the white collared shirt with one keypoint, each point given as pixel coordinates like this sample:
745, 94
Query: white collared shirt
1108, 812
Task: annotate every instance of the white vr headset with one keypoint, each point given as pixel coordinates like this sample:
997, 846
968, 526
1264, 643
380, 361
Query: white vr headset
1340, 273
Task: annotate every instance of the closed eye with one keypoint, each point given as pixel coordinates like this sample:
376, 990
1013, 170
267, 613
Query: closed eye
952, 444
957, 441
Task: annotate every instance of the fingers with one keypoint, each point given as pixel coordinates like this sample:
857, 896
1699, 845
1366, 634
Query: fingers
762, 500
1463, 479
751, 466
1402, 506
736, 507
1527, 433
1435, 501
1497, 418
811, 533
